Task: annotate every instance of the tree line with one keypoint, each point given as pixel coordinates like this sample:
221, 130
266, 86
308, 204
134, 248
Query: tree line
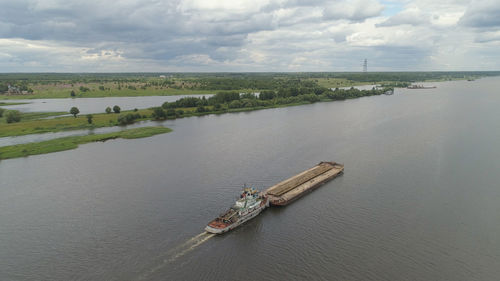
224, 101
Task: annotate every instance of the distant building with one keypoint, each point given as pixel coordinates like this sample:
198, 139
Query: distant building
163, 76
13, 90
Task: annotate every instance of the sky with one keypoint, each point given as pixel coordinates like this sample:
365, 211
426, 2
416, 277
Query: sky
248, 35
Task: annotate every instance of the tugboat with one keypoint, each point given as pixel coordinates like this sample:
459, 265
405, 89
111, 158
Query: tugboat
248, 206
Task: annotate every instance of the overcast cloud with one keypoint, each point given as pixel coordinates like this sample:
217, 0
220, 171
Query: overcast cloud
248, 35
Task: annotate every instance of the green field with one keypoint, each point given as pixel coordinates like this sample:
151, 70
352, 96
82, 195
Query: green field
31, 124
67, 143
336, 82
29, 116
46, 92
91, 85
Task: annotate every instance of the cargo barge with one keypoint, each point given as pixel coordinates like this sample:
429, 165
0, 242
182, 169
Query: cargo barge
291, 189
252, 202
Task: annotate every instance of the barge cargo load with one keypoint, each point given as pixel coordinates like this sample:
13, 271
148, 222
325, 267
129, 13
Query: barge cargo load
289, 190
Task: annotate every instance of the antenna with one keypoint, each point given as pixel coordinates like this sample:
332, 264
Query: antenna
365, 66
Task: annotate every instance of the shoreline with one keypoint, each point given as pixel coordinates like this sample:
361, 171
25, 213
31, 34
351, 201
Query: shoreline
100, 120
68, 143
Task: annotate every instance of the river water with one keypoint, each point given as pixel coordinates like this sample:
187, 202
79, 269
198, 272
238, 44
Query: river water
419, 199
91, 105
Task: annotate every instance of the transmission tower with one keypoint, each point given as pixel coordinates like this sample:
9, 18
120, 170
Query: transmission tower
365, 66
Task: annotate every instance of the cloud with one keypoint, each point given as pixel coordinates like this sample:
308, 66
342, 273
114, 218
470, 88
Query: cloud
487, 37
482, 18
19, 55
411, 16
482, 14
358, 10
244, 35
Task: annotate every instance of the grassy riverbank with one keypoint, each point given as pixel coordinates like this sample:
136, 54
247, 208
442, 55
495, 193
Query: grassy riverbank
11, 103
33, 123
29, 116
337, 82
67, 143
57, 93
